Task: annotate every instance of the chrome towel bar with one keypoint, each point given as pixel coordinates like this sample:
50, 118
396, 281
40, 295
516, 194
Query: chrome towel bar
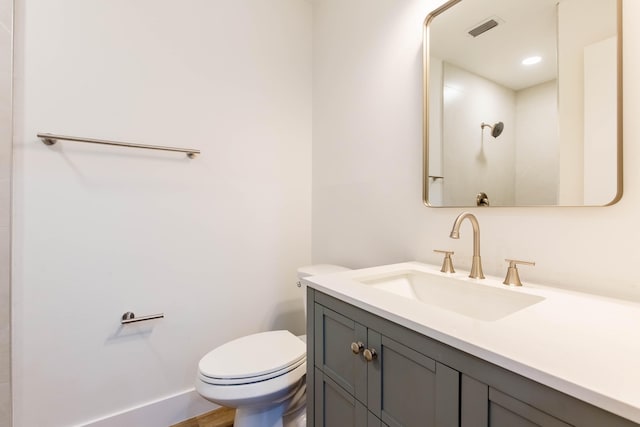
50, 139
129, 317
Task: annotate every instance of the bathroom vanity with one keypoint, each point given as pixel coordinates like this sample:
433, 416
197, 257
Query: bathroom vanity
406, 345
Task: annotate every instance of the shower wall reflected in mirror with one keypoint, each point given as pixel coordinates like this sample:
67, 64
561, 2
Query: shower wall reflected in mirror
522, 103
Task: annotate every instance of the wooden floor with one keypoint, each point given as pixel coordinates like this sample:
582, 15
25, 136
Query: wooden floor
221, 417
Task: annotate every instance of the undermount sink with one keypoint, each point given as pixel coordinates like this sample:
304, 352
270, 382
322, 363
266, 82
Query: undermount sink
458, 294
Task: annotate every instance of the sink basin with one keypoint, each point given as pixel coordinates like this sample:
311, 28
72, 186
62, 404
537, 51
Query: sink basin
461, 295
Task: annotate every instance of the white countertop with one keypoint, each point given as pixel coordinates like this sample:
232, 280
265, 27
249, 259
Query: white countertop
583, 345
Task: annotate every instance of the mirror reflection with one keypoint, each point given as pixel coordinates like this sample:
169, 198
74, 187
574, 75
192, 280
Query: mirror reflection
522, 103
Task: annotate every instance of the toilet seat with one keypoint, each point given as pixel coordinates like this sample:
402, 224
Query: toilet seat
258, 393
253, 379
253, 358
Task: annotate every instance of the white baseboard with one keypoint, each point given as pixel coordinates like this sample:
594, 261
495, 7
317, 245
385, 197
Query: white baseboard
160, 413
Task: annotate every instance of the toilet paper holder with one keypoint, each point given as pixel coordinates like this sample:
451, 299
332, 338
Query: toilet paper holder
129, 317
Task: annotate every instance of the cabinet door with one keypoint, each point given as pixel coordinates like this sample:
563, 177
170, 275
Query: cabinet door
406, 388
334, 406
333, 335
484, 406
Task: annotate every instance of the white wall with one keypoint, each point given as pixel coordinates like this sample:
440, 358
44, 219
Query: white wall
488, 162
6, 24
537, 145
367, 169
212, 242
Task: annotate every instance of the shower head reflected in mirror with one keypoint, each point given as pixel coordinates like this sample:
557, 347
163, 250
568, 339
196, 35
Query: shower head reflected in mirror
496, 129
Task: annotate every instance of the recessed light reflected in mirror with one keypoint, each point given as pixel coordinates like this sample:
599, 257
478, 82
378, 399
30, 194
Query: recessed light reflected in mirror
531, 60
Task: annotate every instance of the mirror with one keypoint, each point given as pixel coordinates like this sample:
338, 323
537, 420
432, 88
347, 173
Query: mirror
522, 103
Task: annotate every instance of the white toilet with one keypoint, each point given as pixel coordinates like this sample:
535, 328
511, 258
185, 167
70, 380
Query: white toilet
261, 375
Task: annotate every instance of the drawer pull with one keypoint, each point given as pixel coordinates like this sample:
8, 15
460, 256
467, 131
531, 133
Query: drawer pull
357, 347
370, 354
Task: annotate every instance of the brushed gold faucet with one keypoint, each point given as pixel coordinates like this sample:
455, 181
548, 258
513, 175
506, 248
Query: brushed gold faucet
447, 262
476, 263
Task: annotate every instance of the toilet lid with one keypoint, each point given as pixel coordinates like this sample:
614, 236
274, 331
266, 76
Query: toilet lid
252, 356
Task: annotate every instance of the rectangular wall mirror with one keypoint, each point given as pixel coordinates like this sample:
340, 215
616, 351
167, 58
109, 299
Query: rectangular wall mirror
523, 103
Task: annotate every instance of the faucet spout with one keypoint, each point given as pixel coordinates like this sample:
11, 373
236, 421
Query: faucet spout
476, 263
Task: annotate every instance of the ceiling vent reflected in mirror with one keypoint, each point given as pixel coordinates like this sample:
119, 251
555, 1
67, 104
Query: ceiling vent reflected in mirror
484, 27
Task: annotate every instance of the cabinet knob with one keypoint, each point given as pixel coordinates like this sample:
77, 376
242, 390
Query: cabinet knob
370, 354
357, 347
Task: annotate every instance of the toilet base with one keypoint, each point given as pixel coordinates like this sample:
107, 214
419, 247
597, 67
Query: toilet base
296, 414
297, 418
252, 416
290, 412
273, 417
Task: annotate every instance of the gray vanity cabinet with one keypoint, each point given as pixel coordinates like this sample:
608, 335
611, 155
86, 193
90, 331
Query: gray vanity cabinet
398, 387
415, 380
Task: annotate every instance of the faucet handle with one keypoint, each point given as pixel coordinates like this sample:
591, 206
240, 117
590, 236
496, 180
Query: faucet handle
513, 278
447, 263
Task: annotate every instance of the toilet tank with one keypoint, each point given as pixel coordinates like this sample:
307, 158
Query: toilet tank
315, 270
